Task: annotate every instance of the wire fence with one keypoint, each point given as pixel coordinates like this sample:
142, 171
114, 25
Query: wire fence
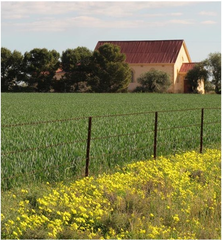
91, 134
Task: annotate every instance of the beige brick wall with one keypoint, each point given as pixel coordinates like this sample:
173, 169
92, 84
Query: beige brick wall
177, 85
139, 69
178, 80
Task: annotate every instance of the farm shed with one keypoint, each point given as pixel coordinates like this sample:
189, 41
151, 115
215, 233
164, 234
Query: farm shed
170, 56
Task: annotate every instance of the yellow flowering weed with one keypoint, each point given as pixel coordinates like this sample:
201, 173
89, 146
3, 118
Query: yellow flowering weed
174, 197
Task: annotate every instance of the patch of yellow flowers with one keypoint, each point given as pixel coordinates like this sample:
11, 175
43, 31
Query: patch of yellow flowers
176, 197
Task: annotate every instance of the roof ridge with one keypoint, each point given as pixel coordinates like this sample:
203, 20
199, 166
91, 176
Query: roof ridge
142, 40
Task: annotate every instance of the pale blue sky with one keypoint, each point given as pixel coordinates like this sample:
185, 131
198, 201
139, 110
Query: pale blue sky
61, 25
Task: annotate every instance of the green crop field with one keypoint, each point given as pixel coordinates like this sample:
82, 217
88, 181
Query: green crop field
37, 145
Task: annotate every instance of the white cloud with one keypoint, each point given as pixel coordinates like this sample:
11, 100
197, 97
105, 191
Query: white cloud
55, 25
176, 14
170, 23
36, 26
204, 13
177, 21
162, 14
51, 24
34, 8
16, 16
208, 22
114, 9
62, 16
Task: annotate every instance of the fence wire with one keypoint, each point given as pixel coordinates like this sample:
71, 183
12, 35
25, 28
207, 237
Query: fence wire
107, 137
102, 116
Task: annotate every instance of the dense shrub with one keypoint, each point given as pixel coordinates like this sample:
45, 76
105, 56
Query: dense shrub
154, 81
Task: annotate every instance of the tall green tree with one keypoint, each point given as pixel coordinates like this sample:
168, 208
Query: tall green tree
154, 81
40, 66
11, 68
213, 65
75, 63
197, 73
108, 70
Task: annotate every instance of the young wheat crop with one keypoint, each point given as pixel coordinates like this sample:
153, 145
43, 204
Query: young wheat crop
55, 150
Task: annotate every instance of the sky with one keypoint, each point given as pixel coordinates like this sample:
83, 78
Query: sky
61, 25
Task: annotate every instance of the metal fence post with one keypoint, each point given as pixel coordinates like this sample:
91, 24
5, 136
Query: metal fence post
201, 130
155, 135
88, 147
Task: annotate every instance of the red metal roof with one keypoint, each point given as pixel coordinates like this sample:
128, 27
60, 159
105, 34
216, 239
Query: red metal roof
187, 66
160, 51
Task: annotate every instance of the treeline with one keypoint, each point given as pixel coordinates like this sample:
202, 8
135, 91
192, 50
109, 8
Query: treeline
210, 71
81, 70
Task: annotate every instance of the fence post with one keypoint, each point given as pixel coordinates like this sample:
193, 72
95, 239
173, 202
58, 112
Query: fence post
155, 135
88, 147
201, 130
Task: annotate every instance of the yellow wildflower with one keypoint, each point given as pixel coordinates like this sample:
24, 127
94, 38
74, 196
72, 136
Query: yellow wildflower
176, 218
24, 191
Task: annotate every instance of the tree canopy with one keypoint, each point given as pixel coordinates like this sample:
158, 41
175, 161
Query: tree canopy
213, 65
209, 70
108, 70
40, 66
11, 68
75, 63
197, 73
154, 81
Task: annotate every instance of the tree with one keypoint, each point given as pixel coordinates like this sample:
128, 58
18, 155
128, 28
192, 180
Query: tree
108, 70
11, 63
60, 85
154, 81
197, 73
5, 67
40, 66
75, 63
213, 65
209, 87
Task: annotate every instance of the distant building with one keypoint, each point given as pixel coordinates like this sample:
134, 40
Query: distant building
59, 73
170, 56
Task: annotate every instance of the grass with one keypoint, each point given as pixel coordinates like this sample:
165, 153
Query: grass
32, 107
175, 197
66, 159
